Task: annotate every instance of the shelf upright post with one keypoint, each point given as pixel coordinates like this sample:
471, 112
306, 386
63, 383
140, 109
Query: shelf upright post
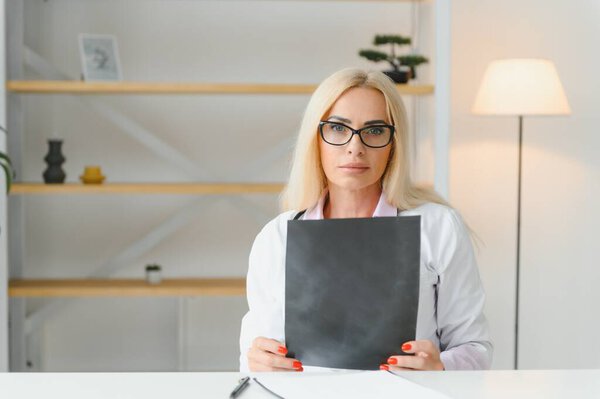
415, 124
442, 95
14, 20
3, 200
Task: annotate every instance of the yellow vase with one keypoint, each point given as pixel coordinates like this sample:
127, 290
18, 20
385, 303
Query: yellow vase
92, 175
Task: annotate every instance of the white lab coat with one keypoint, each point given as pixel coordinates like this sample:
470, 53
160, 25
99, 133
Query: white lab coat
451, 296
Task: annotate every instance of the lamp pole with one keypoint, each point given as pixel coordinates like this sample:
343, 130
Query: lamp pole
518, 242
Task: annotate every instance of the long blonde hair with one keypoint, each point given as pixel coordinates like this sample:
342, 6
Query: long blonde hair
307, 179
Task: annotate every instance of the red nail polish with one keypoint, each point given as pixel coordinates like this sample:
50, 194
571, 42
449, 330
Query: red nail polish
297, 364
406, 347
384, 367
392, 360
300, 369
282, 350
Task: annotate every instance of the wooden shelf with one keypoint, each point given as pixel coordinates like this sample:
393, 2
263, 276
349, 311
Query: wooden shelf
147, 188
80, 87
156, 188
367, 1
127, 287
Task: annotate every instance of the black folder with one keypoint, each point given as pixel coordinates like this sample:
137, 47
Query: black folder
351, 289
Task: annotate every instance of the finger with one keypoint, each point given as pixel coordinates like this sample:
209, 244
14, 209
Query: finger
272, 360
270, 345
396, 359
261, 367
411, 362
422, 345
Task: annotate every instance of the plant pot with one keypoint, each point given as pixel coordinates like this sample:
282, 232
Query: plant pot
398, 76
153, 274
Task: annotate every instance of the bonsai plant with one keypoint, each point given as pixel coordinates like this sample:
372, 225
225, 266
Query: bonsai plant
398, 74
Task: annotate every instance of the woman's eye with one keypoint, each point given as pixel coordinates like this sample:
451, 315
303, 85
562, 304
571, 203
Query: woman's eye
375, 131
337, 128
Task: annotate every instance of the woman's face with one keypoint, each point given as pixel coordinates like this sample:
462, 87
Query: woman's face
355, 166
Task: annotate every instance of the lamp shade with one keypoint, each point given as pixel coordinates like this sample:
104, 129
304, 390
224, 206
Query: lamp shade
521, 87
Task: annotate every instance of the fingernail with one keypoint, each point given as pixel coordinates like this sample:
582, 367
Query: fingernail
297, 364
406, 347
384, 367
282, 350
392, 360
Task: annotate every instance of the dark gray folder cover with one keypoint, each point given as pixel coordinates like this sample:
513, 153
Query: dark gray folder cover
351, 289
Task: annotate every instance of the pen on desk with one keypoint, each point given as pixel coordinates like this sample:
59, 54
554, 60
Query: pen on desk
243, 383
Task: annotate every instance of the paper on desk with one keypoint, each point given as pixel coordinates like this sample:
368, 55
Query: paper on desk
360, 384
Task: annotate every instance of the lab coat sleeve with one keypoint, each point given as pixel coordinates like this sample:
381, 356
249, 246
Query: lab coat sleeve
462, 326
265, 316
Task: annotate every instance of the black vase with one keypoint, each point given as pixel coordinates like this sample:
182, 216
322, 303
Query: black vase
398, 76
54, 172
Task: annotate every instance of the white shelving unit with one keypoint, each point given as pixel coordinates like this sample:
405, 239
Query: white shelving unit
13, 16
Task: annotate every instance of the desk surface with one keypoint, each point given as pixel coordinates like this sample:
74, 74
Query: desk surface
456, 384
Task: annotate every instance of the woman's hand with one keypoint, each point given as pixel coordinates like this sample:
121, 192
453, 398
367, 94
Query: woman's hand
269, 355
427, 357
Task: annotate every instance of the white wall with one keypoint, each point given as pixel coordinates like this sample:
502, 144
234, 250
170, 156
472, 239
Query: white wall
561, 179
69, 236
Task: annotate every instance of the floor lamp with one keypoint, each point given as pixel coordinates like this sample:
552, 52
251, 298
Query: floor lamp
520, 87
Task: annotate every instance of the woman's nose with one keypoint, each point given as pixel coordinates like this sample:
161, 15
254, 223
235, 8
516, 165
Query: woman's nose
355, 146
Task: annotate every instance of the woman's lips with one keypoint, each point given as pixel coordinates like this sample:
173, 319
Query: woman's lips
354, 168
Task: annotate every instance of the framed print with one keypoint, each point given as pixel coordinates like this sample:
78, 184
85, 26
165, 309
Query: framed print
99, 57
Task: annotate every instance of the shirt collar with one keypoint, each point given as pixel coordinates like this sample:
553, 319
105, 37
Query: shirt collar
382, 209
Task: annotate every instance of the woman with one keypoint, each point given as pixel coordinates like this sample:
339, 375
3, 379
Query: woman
351, 160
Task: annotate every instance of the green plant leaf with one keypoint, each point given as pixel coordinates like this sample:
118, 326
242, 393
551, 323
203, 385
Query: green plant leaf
8, 170
373, 55
412, 60
5, 157
388, 39
7, 173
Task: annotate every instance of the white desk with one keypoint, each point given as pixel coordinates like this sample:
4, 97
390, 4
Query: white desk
545, 384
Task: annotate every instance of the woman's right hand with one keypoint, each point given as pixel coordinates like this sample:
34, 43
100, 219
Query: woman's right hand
269, 355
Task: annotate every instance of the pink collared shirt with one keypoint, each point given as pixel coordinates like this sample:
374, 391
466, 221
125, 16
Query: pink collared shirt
382, 209
451, 297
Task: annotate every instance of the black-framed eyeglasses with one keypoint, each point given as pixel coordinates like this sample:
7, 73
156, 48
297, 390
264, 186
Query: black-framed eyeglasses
374, 136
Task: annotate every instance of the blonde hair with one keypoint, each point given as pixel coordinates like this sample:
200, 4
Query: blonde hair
307, 179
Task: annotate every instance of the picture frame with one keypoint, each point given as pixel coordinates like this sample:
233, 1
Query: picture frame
99, 57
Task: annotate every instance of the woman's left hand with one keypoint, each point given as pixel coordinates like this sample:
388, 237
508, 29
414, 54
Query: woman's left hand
426, 357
